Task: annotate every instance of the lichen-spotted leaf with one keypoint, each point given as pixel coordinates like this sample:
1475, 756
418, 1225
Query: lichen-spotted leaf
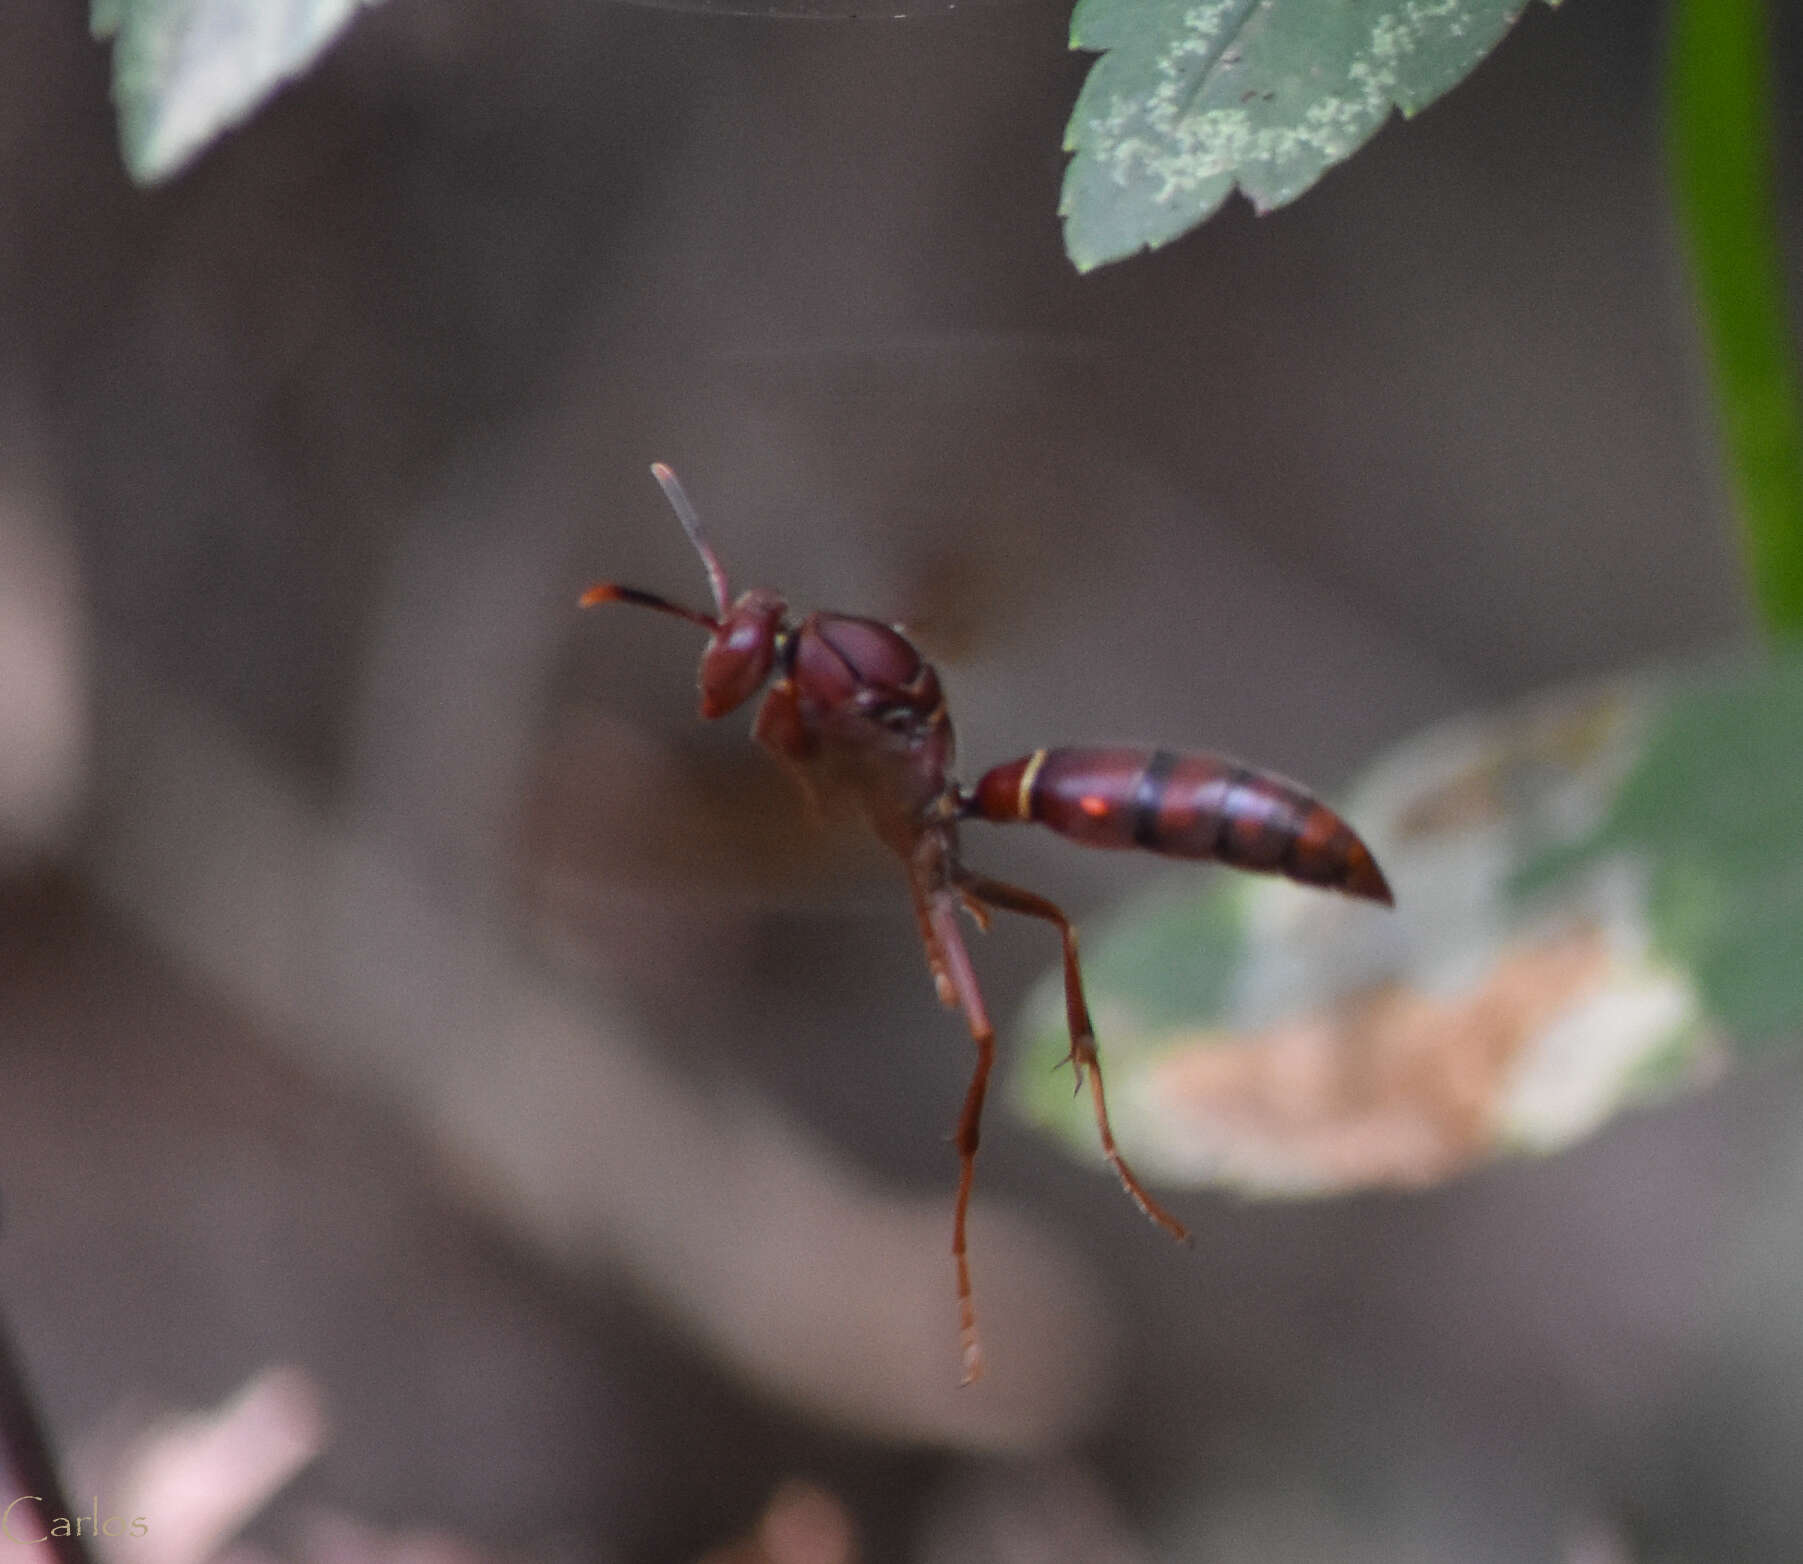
1599, 902
1193, 97
184, 70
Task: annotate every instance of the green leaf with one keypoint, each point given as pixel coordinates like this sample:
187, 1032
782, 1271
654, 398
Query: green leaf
184, 70
1191, 97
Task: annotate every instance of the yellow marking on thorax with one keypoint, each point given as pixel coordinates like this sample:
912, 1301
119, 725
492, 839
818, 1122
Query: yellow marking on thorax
1023, 800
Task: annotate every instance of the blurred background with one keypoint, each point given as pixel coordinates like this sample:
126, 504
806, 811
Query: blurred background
399, 983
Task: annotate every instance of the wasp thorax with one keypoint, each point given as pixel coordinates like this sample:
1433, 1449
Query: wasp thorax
738, 659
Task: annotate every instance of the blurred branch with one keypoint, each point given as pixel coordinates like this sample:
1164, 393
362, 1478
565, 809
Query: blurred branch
204, 1476
25, 1453
1719, 130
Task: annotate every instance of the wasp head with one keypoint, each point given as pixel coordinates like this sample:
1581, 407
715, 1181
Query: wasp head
743, 639
738, 658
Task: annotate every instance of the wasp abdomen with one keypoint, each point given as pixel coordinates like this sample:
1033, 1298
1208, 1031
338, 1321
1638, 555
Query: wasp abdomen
1183, 806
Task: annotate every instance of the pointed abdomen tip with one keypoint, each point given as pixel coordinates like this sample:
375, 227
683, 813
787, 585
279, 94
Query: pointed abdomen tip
1365, 879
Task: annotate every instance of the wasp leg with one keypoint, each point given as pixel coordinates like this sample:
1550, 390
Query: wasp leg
781, 729
929, 937
953, 969
1084, 1059
979, 914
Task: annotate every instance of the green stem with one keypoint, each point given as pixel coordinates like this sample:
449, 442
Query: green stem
1720, 144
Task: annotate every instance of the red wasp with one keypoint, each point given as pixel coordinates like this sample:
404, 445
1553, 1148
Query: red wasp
856, 711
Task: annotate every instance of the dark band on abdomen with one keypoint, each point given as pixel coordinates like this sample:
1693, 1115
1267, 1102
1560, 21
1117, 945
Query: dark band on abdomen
1148, 796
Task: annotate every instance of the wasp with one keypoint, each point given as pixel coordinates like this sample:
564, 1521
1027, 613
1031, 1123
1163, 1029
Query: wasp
855, 712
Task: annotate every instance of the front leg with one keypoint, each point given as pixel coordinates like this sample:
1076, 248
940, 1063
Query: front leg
950, 960
781, 729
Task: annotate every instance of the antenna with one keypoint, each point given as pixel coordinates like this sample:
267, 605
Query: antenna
691, 524
613, 592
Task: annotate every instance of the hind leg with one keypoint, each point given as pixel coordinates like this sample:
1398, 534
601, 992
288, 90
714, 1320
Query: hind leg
1084, 1059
